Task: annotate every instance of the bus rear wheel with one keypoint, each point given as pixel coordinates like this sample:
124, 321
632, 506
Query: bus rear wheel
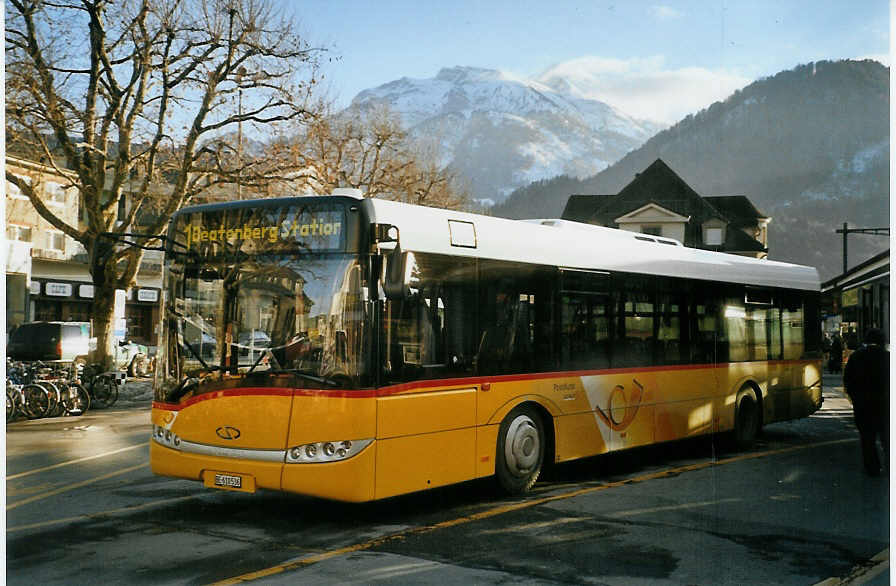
746, 419
520, 450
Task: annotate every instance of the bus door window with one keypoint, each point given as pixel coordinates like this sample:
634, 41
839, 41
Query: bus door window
429, 334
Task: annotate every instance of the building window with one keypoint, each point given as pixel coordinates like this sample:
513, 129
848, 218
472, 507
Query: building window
713, 237
55, 194
55, 241
652, 230
20, 233
13, 191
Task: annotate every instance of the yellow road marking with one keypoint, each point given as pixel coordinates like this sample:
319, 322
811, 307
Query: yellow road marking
503, 509
101, 514
70, 462
69, 487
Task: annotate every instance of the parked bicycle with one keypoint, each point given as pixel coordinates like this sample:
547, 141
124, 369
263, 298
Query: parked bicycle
38, 389
23, 396
102, 386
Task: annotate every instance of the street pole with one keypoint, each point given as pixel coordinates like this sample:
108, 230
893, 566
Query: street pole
239, 132
847, 230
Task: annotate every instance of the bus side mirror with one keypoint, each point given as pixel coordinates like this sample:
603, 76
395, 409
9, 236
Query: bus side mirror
395, 277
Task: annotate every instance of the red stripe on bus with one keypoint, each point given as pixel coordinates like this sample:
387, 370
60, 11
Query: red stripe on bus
426, 385
500, 378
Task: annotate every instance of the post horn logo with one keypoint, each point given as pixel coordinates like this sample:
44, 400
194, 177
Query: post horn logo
621, 403
228, 433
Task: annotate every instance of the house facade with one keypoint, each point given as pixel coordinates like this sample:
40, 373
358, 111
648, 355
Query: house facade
47, 276
660, 203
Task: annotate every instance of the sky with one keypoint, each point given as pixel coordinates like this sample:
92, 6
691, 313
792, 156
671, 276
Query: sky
653, 60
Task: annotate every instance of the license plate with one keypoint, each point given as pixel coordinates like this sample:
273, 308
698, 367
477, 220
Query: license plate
227, 481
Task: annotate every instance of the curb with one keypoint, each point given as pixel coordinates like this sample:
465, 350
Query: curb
863, 573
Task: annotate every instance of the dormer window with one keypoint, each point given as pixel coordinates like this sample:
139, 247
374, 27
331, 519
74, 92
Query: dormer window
654, 220
712, 237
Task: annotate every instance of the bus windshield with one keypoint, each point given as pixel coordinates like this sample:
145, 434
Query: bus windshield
233, 312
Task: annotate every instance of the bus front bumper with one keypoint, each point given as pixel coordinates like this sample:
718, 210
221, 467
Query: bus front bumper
350, 480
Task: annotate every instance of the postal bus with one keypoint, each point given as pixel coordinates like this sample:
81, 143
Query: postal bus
356, 349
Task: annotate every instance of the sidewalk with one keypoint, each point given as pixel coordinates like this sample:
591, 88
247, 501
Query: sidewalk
136, 392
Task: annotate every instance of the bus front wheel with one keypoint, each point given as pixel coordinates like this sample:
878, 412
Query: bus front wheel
520, 450
746, 418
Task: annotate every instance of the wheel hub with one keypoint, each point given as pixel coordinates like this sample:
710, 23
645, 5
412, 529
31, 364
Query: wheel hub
521, 446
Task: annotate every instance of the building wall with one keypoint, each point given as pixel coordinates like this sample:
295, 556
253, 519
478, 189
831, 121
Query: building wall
50, 258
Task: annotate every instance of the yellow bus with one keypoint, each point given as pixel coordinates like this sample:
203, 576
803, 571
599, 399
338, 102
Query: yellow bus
356, 349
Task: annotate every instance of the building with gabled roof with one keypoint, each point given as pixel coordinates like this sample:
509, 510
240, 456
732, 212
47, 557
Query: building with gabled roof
660, 203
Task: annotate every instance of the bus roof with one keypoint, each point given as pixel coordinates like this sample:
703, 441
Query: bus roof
577, 246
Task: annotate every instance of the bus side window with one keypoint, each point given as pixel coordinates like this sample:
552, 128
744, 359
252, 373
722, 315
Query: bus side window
671, 314
704, 327
792, 328
585, 312
636, 323
510, 304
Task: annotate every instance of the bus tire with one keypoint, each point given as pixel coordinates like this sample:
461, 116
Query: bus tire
746, 418
520, 450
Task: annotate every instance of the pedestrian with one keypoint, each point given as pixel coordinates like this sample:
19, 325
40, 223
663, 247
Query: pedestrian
867, 381
836, 360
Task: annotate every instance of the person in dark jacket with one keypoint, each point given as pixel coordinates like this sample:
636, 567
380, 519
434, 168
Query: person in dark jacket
836, 354
867, 381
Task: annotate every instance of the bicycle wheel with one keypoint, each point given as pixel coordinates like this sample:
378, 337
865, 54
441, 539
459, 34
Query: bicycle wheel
37, 401
55, 395
103, 391
10, 405
76, 399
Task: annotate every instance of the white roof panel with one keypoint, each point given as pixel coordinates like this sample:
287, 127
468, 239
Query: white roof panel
576, 245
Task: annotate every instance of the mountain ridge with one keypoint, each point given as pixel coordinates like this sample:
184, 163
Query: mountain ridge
502, 132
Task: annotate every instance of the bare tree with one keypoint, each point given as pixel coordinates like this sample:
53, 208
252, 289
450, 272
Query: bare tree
368, 151
136, 99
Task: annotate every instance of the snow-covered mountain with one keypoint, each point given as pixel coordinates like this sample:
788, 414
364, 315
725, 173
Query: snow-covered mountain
501, 132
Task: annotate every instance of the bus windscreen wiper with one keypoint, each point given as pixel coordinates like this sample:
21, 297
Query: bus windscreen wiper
205, 365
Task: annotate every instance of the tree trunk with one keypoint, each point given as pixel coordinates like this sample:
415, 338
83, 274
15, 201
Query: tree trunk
103, 322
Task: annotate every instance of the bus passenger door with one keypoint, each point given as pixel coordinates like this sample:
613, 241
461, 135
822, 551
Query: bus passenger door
425, 418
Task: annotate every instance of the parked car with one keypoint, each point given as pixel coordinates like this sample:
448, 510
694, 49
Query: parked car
71, 342
253, 343
49, 340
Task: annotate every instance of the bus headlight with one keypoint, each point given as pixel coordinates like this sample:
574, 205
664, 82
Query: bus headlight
165, 437
325, 451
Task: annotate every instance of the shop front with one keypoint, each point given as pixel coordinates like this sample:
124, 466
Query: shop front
63, 300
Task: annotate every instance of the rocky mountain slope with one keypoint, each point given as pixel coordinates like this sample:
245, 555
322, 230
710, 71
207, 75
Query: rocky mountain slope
501, 133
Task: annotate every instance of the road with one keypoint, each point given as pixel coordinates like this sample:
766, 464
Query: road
82, 507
